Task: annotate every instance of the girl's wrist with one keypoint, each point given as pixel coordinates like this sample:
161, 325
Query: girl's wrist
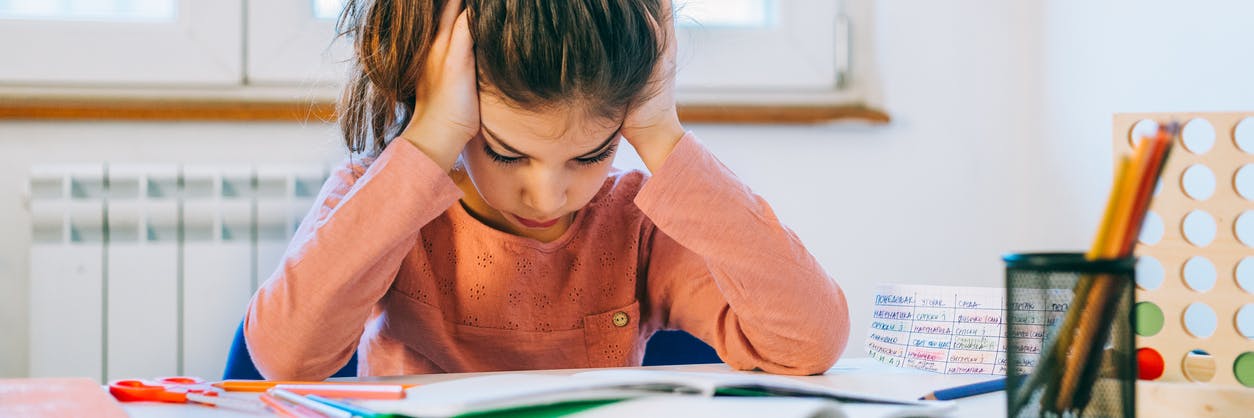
441, 147
655, 143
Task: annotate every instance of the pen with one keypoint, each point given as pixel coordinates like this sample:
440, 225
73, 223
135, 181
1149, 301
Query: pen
357, 411
966, 390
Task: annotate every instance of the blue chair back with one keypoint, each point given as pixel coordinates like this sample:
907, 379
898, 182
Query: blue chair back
239, 364
664, 348
671, 347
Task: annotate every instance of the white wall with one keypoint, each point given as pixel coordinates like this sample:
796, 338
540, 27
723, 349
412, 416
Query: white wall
1108, 56
999, 143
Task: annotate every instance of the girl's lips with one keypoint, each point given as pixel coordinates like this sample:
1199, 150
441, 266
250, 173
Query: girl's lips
536, 224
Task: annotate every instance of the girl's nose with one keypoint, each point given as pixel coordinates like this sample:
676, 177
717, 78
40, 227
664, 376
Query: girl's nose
546, 195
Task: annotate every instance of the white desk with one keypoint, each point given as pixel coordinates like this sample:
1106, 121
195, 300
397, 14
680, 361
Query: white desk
857, 375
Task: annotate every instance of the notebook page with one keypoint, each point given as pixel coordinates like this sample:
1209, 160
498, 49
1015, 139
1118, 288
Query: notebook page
957, 329
510, 390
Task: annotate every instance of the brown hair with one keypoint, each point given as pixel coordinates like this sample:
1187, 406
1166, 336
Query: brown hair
535, 54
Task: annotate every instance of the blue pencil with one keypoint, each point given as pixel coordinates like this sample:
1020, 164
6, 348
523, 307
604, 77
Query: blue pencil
357, 411
966, 390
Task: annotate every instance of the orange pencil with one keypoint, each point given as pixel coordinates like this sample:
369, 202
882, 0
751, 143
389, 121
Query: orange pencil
264, 385
1160, 150
348, 391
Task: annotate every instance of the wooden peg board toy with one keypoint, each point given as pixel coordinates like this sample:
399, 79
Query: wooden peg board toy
1195, 273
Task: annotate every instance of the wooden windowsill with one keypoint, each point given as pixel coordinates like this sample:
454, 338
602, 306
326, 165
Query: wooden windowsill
229, 109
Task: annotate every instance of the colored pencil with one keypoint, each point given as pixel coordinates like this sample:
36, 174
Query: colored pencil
1050, 356
288, 410
355, 410
325, 410
348, 391
1070, 365
1107, 245
964, 391
264, 385
1063, 340
1080, 349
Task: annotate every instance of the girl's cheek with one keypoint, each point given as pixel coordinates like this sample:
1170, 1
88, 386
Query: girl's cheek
498, 183
590, 182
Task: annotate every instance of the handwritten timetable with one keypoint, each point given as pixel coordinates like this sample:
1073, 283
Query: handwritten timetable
960, 330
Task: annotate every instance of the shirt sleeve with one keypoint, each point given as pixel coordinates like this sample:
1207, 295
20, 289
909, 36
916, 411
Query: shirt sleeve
723, 268
305, 321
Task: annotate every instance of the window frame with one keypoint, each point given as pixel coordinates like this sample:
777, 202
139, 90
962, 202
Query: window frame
304, 85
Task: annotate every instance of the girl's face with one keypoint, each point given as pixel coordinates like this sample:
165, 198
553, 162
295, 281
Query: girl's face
532, 170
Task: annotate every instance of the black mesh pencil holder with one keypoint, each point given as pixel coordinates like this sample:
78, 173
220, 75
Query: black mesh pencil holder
1070, 350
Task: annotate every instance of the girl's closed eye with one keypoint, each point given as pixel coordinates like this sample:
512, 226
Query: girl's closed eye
595, 159
498, 158
586, 161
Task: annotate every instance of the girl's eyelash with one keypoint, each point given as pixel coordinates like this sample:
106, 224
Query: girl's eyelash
501, 159
593, 160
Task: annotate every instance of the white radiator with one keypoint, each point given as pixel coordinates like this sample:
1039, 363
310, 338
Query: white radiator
145, 270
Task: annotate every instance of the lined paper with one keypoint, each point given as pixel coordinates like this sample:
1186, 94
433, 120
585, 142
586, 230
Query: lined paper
959, 330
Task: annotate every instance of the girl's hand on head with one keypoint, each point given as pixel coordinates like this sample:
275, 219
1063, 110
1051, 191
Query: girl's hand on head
652, 126
446, 108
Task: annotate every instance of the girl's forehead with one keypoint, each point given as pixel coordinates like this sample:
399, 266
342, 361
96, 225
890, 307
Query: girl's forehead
570, 124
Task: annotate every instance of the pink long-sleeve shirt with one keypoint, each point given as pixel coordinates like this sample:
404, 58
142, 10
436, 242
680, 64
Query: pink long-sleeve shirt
390, 264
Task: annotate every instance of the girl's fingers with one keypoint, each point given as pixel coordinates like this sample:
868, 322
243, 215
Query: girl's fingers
667, 41
668, 13
664, 72
461, 48
448, 16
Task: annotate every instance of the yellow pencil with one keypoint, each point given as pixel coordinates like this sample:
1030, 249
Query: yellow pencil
1106, 246
1103, 288
1057, 355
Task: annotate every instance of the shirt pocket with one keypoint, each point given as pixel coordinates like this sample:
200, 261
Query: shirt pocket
612, 338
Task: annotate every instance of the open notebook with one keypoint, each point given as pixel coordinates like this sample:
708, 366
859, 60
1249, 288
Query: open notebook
651, 393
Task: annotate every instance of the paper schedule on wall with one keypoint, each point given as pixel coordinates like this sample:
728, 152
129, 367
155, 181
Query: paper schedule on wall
956, 330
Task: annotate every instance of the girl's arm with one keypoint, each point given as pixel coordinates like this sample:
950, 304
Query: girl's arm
305, 321
723, 268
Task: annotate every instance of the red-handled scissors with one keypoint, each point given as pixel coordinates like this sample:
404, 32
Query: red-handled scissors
178, 389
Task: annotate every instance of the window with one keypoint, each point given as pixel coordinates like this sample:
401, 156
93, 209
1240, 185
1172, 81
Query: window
748, 46
103, 10
328, 9
290, 43
727, 46
132, 42
729, 13
732, 52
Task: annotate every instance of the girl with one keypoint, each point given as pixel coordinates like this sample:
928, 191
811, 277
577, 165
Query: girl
489, 233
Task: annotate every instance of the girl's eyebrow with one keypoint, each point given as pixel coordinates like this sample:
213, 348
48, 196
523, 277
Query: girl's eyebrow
594, 151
